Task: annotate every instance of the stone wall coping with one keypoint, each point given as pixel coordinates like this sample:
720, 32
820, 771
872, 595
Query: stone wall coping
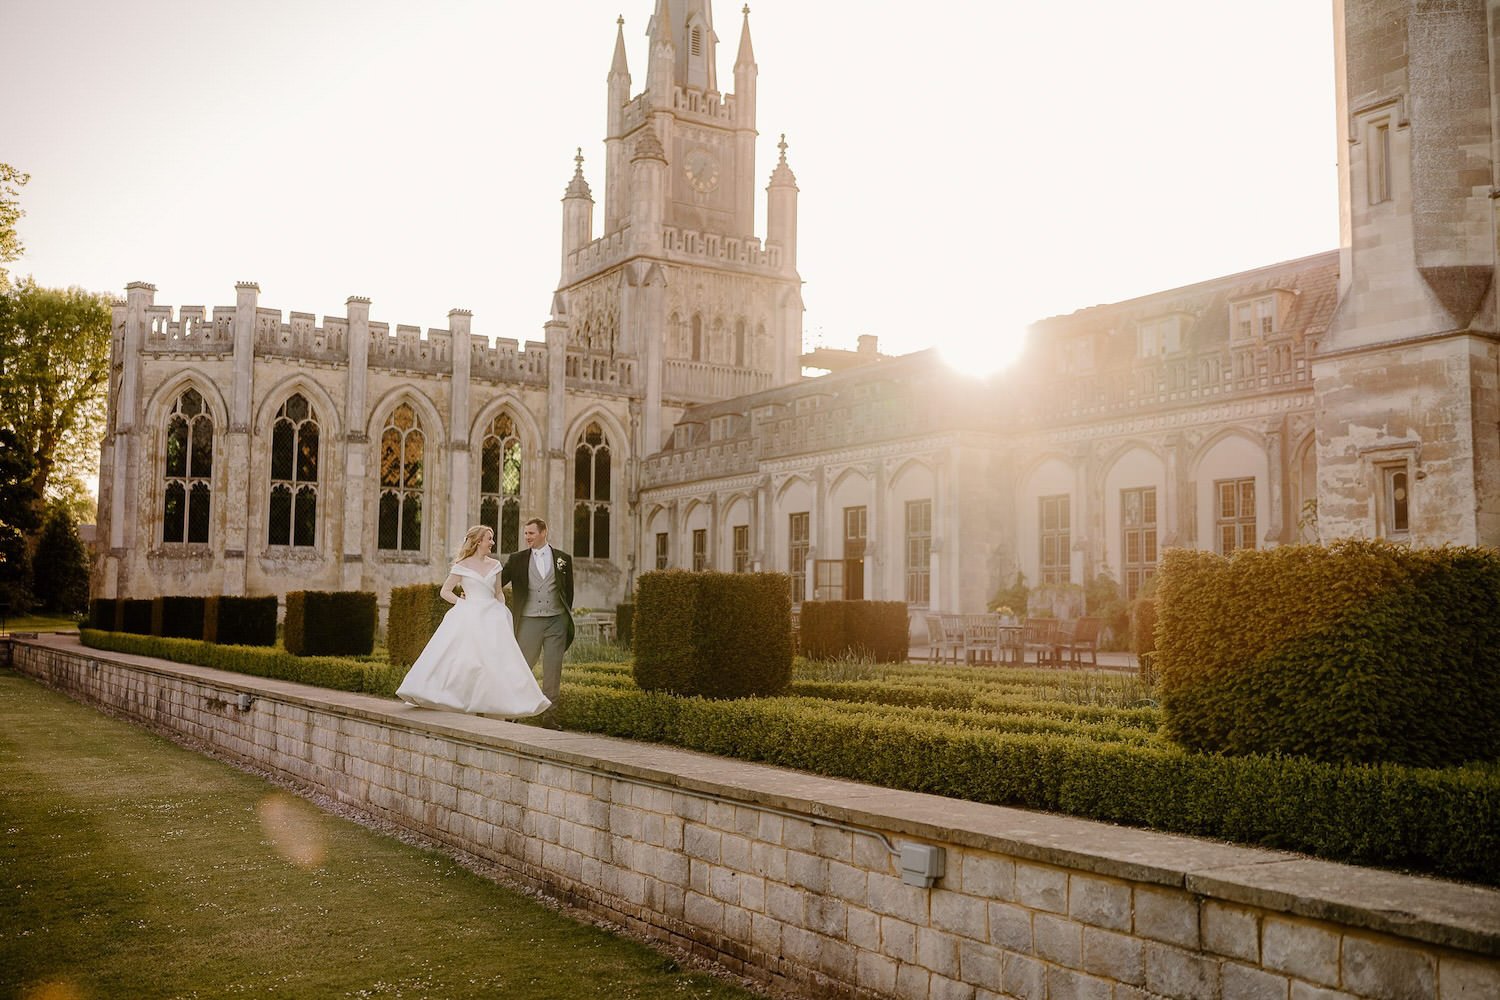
1420, 908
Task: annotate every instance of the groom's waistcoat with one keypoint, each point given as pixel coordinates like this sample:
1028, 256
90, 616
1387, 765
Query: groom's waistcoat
541, 594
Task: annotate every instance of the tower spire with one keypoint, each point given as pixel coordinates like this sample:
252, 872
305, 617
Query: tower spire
619, 67
746, 55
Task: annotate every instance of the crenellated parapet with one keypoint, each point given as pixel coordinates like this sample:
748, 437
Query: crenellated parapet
191, 332
505, 361
600, 254
300, 336
720, 249
687, 103
408, 350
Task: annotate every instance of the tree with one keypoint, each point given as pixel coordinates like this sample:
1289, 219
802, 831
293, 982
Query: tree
60, 567
18, 519
54, 366
11, 181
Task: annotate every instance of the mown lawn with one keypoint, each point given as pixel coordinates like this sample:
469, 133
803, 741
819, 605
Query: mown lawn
131, 867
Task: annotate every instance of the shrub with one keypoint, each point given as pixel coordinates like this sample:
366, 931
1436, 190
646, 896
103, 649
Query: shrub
329, 622
177, 617
335, 673
1143, 625
720, 635
135, 616
1014, 597
1362, 651
415, 614
60, 565
875, 630
104, 614
624, 623
240, 621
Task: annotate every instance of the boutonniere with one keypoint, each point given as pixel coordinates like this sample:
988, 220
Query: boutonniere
562, 564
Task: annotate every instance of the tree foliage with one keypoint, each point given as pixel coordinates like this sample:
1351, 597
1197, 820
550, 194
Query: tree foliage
60, 567
18, 519
54, 366
11, 181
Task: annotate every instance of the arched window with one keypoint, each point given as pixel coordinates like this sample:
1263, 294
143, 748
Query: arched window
401, 452
189, 470
293, 518
591, 494
697, 354
739, 343
500, 483
674, 336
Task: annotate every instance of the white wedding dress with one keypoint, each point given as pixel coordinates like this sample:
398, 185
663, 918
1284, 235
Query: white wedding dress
472, 663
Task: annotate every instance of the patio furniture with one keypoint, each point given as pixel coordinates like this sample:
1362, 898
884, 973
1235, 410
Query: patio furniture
1077, 638
981, 638
1040, 635
943, 639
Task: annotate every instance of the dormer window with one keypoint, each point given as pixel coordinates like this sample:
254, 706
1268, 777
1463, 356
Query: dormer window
1258, 317
1159, 337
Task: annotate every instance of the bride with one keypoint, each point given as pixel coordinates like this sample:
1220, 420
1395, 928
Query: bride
472, 662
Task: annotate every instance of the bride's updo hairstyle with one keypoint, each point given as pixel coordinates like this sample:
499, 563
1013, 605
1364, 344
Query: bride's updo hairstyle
472, 539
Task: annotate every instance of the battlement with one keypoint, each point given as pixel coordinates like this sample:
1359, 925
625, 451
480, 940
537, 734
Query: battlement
300, 336
192, 332
720, 249
687, 103
601, 253
506, 362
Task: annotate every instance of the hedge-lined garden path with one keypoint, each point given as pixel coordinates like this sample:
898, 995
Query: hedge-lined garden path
131, 867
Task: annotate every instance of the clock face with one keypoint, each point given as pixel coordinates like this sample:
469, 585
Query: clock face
702, 170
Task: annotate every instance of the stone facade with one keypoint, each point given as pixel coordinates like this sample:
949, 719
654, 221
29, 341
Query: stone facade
664, 422
795, 882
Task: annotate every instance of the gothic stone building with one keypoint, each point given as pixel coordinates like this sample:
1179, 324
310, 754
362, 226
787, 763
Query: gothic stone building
664, 422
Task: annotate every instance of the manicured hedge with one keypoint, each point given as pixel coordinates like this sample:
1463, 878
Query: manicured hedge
625, 624
336, 673
415, 614
240, 621
177, 617
1447, 822
1360, 651
720, 635
135, 616
329, 622
104, 614
873, 630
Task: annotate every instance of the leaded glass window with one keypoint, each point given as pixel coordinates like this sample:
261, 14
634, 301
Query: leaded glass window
293, 509
591, 494
188, 480
500, 483
402, 454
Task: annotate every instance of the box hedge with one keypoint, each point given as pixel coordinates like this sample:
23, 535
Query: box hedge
104, 614
625, 624
330, 622
135, 615
867, 630
177, 617
240, 621
719, 635
1360, 651
415, 614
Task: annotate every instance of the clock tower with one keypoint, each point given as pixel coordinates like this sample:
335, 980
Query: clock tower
679, 301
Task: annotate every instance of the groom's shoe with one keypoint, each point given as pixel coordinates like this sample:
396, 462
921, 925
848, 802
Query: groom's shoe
548, 719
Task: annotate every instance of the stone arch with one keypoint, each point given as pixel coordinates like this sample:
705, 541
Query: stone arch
330, 420
432, 421
162, 400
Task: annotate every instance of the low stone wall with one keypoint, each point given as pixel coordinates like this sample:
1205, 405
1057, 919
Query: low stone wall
794, 879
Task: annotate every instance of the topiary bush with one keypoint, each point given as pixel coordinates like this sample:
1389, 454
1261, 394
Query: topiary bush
330, 622
135, 615
104, 614
240, 621
874, 630
719, 635
415, 614
624, 623
177, 617
1361, 651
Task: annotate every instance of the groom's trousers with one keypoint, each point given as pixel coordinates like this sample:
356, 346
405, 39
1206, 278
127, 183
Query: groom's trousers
548, 638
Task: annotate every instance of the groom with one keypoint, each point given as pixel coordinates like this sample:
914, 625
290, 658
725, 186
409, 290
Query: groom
541, 585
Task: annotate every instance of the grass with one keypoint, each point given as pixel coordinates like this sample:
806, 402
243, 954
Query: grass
135, 868
42, 623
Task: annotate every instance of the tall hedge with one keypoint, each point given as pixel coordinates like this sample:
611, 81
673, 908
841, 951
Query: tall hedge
415, 614
719, 635
177, 617
104, 613
624, 624
240, 621
1358, 652
329, 622
874, 630
135, 615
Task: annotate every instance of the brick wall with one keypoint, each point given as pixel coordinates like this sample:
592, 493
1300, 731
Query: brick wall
790, 877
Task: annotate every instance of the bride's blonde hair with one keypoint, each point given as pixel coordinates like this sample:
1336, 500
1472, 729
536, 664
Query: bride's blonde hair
471, 541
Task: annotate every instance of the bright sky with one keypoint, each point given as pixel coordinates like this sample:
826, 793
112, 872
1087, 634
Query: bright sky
965, 168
